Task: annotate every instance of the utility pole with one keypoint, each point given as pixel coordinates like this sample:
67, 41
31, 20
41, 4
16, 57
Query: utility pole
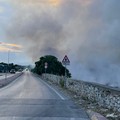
7, 67
8, 60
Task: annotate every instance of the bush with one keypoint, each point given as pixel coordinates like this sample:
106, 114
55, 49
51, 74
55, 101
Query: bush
54, 66
62, 83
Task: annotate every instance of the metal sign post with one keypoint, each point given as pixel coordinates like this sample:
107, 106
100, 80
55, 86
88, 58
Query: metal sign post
46, 66
65, 62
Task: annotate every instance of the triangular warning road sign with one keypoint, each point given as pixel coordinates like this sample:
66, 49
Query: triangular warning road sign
65, 60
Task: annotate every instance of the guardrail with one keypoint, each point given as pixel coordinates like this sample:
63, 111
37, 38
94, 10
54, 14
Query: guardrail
4, 82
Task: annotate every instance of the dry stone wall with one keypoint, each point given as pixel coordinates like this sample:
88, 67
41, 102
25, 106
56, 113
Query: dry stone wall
103, 95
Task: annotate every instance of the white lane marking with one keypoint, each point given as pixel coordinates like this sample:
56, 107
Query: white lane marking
53, 90
72, 118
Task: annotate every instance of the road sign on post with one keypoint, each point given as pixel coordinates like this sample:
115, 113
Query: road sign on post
46, 66
65, 62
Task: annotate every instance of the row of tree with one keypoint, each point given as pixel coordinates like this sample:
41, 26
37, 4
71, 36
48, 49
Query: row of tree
7, 67
54, 66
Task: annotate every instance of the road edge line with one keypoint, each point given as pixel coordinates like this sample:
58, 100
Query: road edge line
53, 89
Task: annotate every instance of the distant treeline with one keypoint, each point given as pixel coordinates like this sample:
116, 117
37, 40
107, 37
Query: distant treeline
4, 67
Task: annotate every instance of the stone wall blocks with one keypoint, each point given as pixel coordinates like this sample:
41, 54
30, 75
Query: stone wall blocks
104, 96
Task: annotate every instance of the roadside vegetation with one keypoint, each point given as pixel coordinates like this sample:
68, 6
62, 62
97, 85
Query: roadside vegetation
8, 67
53, 66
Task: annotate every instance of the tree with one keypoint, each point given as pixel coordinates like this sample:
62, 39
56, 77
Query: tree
7, 67
54, 66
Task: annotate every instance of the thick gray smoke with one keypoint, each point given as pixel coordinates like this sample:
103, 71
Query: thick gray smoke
87, 30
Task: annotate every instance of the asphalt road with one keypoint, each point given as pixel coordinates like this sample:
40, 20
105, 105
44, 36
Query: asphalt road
30, 98
2, 75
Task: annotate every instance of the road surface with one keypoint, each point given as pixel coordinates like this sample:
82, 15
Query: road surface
2, 75
30, 98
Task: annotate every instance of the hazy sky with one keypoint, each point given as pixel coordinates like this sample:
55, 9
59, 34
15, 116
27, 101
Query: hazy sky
88, 31
18, 19
16, 52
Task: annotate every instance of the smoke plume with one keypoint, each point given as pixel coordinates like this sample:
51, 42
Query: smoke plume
87, 30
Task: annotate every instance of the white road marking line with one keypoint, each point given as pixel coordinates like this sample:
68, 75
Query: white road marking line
72, 118
54, 90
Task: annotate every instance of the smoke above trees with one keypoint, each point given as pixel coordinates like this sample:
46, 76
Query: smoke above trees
86, 30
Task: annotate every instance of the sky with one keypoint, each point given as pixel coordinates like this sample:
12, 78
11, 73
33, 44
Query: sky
15, 51
9, 11
88, 31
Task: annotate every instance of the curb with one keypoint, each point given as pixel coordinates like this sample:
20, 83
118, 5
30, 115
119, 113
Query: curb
95, 116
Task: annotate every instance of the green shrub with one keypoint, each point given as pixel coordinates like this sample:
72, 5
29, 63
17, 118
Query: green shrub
61, 83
